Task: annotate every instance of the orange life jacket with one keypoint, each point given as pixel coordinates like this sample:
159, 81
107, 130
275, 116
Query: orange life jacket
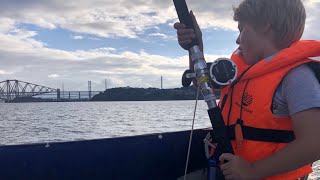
248, 105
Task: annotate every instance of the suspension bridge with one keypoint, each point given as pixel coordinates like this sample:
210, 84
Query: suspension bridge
16, 91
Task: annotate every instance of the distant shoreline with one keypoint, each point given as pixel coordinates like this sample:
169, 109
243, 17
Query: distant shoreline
130, 94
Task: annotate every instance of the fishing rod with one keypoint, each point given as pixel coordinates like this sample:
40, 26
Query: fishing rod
209, 76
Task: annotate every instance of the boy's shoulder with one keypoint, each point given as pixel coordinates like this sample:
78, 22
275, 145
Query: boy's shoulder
299, 90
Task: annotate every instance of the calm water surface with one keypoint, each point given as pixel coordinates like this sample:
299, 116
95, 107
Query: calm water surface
46, 122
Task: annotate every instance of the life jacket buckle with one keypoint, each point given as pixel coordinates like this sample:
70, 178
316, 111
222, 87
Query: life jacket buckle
238, 134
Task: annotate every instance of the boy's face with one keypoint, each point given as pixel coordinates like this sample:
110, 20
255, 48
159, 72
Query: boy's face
251, 43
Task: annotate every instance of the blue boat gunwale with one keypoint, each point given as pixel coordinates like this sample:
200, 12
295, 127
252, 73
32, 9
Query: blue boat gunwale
150, 156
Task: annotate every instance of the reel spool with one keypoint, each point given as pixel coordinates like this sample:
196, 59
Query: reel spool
223, 72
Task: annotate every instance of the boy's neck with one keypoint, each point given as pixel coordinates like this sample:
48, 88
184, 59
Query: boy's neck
270, 51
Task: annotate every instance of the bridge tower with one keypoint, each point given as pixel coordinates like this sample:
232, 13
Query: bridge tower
89, 89
58, 95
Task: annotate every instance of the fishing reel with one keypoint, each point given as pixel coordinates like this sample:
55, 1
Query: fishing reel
222, 71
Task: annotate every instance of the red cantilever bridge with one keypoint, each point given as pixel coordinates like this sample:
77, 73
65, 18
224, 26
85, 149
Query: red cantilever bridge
11, 89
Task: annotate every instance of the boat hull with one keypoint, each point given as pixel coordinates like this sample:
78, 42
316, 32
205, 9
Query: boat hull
153, 156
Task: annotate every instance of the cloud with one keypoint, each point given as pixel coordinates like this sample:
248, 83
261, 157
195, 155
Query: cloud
77, 37
312, 21
158, 34
104, 49
31, 60
163, 36
93, 38
6, 25
25, 57
102, 18
109, 18
53, 75
3, 72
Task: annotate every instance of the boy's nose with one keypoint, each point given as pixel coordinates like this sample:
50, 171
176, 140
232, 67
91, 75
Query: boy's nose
238, 40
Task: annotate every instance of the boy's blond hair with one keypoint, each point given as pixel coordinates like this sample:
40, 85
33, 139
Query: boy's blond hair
286, 17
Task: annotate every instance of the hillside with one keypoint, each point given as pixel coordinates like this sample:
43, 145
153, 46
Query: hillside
147, 94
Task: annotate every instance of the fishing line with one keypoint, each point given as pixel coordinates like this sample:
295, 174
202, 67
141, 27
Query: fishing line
191, 133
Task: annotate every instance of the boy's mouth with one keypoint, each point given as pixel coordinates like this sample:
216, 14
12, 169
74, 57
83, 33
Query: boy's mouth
241, 51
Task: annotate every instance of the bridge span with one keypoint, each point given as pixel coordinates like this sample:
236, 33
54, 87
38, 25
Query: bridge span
18, 91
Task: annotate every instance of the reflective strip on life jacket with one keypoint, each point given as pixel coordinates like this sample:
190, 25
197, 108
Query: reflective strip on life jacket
317, 58
237, 51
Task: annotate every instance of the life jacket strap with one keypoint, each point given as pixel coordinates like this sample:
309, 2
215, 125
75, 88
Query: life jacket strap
264, 135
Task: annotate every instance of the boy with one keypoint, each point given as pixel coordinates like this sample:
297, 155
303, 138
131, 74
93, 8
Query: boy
277, 99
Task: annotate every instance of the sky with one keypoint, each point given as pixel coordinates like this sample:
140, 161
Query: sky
132, 43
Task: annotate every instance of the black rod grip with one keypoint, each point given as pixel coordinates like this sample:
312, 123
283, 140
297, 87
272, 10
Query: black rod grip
185, 18
219, 132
